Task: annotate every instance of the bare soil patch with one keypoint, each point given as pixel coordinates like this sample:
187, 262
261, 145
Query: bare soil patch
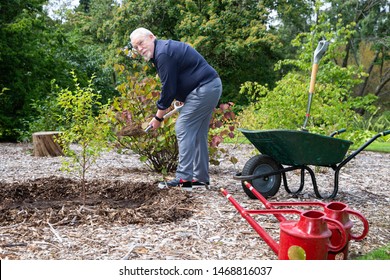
57, 201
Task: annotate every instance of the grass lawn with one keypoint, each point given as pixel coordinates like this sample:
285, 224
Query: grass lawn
383, 147
379, 254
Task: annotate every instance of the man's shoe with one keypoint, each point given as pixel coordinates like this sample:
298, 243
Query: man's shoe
197, 184
185, 185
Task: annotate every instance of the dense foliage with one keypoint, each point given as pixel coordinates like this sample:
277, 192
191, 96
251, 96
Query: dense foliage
243, 39
334, 105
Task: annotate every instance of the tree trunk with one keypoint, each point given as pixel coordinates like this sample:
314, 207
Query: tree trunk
381, 85
365, 82
45, 144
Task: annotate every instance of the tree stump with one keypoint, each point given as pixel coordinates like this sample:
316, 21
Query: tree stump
45, 144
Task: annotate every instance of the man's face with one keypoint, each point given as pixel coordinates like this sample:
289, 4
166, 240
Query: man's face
144, 45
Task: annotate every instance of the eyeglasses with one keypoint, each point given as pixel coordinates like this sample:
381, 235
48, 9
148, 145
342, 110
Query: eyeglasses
138, 45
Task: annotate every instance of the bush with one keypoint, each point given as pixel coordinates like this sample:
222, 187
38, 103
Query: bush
133, 110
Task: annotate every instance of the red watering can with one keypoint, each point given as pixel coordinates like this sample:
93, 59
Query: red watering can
305, 239
333, 210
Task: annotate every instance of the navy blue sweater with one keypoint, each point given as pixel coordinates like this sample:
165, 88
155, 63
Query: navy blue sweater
181, 69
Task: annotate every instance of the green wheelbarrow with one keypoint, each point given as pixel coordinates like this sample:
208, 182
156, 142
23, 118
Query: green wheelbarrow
287, 150
295, 149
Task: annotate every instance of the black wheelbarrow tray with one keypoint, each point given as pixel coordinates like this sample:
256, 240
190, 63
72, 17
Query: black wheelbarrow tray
287, 150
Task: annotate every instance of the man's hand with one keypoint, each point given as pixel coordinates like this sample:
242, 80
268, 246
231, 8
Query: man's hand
158, 119
155, 124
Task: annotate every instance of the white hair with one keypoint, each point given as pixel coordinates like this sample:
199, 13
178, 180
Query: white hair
140, 32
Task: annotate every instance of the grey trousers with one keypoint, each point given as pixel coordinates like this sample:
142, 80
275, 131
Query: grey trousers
192, 127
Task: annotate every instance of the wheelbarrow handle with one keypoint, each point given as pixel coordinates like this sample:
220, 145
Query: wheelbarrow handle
362, 147
337, 132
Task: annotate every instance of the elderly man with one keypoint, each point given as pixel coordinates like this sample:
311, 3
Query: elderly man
186, 77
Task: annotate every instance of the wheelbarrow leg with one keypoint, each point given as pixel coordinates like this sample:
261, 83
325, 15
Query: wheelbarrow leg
284, 177
314, 182
300, 186
315, 186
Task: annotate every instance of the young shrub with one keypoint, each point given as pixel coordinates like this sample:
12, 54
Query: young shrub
85, 127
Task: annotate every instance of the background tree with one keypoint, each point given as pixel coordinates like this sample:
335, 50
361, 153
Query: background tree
233, 36
333, 106
90, 30
369, 46
287, 19
84, 52
29, 44
243, 40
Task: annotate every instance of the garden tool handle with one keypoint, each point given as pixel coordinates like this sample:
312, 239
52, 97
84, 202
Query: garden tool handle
384, 133
365, 225
148, 128
320, 50
344, 239
177, 106
318, 53
314, 71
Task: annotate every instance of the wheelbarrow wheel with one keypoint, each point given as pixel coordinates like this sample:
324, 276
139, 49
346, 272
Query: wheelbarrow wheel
262, 164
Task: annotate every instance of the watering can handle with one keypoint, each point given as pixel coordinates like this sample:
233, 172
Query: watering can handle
344, 239
320, 50
365, 225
